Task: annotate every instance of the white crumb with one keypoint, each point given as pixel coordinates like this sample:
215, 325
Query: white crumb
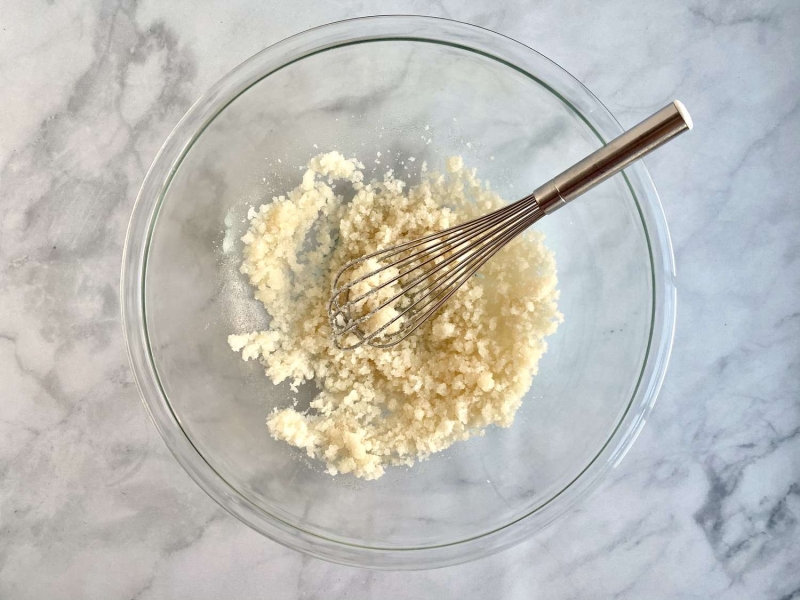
467, 369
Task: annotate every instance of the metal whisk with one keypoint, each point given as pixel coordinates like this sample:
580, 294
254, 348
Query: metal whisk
383, 297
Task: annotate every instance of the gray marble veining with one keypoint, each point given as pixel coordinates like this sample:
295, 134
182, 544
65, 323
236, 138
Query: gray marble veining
92, 505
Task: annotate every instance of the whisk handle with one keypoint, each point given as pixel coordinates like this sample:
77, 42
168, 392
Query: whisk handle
654, 131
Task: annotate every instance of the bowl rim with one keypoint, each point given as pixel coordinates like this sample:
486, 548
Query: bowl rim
424, 29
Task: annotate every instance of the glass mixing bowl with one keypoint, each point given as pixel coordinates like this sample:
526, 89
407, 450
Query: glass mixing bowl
426, 88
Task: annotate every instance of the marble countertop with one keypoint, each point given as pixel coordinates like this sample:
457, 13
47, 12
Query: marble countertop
92, 504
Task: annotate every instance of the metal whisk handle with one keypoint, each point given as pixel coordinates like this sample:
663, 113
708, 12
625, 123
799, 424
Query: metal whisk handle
654, 131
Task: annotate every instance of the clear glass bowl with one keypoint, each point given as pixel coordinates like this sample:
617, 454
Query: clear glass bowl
362, 86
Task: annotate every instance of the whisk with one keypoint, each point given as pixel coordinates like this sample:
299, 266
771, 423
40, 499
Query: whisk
383, 297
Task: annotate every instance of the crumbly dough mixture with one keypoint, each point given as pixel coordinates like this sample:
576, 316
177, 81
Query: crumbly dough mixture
465, 370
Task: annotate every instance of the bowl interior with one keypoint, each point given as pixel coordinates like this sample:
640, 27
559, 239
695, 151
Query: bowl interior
405, 99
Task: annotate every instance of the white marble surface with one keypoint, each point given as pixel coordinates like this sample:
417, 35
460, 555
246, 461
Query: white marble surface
92, 505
